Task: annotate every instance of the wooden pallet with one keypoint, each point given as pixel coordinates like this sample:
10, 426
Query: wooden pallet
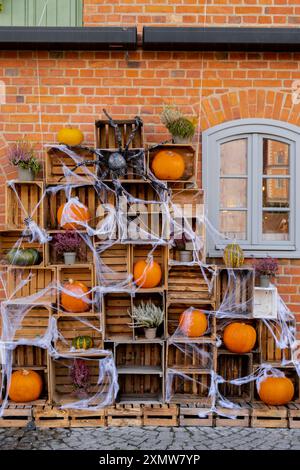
49, 416
264, 416
56, 159
191, 414
24, 200
294, 415
125, 415
160, 415
189, 155
16, 416
87, 418
234, 417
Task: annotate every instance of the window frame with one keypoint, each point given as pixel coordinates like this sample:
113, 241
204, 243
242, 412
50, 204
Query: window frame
255, 130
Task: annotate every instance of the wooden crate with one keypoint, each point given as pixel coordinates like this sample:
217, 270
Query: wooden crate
187, 285
16, 416
116, 317
57, 159
14, 239
269, 350
236, 290
24, 322
49, 416
159, 254
24, 200
87, 418
61, 386
174, 312
39, 288
293, 415
188, 387
191, 414
86, 194
29, 357
232, 366
161, 415
189, 355
265, 416
144, 386
82, 273
105, 134
69, 327
85, 256
235, 417
112, 265
125, 415
189, 155
157, 298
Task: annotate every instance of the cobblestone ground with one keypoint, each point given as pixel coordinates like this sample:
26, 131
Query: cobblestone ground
150, 438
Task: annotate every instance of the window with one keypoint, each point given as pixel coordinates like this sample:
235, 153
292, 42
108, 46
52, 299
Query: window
41, 13
250, 172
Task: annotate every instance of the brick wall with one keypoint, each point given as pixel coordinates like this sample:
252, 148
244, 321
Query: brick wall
46, 90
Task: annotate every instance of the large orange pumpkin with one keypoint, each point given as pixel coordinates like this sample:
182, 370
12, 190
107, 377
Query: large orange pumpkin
73, 212
168, 165
70, 136
239, 337
79, 303
25, 386
276, 390
147, 274
193, 323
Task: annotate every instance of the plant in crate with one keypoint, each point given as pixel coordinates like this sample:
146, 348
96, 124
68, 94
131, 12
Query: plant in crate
148, 316
181, 127
22, 155
67, 245
80, 375
265, 269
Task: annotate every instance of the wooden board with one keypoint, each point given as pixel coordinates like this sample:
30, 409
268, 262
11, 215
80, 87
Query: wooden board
264, 416
49, 416
16, 416
87, 418
235, 417
188, 154
24, 200
192, 415
57, 159
125, 415
160, 415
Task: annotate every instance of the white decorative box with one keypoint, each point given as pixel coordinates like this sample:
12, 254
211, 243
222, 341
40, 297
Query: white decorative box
265, 302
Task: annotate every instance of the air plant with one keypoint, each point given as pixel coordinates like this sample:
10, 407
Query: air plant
67, 242
80, 375
176, 123
147, 315
266, 266
22, 154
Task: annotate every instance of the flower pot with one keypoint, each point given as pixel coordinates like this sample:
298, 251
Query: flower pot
70, 258
25, 174
150, 333
264, 281
186, 256
181, 140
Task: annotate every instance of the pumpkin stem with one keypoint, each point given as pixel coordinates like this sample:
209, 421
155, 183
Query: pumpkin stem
71, 281
25, 372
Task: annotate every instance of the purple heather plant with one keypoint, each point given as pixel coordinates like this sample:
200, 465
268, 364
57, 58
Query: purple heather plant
80, 375
67, 242
266, 266
21, 153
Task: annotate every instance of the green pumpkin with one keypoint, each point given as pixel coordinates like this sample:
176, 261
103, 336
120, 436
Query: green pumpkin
35, 254
233, 256
23, 257
82, 342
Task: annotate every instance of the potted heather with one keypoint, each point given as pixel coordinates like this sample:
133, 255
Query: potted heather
265, 269
181, 127
67, 245
149, 316
80, 375
22, 155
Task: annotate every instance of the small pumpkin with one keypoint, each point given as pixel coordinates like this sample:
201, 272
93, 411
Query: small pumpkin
168, 165
79, 301
25, 386
82, 342
193, 323
23, 256
233, 256
147, 274
276, 391
70, 136
74, 213
239, 337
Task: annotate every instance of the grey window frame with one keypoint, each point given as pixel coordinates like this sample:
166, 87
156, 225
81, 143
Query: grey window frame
255, 130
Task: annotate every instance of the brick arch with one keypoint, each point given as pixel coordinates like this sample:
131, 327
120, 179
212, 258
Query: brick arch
243, 104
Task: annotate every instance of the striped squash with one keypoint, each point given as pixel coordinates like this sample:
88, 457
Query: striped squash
233, 256
82, 342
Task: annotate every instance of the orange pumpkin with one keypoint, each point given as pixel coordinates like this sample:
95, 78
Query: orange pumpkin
193, 323
147, 275
73, 212
25, 386
168, 165
79, 303
70, 136
276, 390
239, 337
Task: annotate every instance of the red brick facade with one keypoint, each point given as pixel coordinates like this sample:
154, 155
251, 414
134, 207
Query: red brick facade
46, 90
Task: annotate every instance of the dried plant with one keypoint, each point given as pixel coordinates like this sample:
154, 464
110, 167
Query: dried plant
266, 266
176, 123
67, 242
80, 375
147, 315
22, 154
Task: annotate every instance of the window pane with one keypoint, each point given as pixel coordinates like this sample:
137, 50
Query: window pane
276, 192
234, 157
276, 157
275, 226
233, 224
233, 193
